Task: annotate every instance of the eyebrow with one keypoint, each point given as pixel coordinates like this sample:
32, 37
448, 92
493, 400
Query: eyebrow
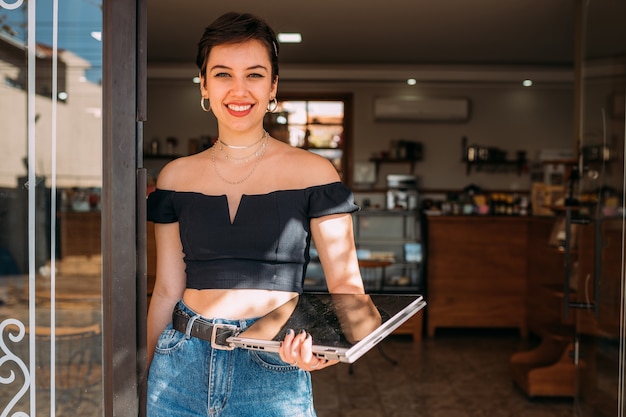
254, 67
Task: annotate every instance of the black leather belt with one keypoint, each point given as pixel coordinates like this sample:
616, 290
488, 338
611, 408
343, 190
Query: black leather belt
216, 333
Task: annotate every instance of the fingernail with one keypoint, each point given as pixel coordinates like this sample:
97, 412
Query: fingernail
302, 331
290, 332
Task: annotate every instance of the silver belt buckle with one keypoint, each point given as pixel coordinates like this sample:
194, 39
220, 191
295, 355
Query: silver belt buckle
214, 343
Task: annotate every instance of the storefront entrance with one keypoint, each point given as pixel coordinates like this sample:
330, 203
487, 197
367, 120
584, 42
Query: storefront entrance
72, 196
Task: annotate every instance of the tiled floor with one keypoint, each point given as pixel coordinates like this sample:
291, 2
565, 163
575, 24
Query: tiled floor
455, 374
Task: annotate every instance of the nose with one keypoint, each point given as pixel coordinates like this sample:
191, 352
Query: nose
239, 85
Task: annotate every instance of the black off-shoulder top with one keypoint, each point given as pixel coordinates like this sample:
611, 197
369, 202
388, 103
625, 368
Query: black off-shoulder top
265, 247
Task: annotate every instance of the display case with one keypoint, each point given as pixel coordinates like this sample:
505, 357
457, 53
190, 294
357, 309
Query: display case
390, 252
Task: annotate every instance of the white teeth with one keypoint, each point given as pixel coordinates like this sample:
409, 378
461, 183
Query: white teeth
239, 108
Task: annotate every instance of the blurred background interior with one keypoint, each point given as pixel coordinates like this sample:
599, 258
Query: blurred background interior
483, 140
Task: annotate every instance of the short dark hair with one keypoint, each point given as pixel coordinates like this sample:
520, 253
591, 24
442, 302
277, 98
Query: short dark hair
235, 27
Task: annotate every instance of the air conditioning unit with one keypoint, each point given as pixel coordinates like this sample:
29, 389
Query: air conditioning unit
421, 109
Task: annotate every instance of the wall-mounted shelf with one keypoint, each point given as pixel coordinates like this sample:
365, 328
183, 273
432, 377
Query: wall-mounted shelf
379, 161
491, 159
520, 166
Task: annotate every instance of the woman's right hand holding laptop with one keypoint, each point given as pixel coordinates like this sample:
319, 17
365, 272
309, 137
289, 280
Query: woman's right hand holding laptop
297, 350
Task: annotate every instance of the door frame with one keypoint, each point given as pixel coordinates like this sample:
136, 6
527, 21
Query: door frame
123, 104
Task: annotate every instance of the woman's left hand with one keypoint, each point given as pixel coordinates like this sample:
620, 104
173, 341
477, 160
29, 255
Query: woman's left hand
297, 350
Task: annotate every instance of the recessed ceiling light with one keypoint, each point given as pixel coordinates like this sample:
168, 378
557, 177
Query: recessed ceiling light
289, 37
527, 83
196, 80
411, 81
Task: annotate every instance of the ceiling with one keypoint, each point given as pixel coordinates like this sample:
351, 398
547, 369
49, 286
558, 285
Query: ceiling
389, 32
382, 32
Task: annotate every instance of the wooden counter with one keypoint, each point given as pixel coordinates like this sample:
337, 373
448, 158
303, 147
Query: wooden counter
477, 269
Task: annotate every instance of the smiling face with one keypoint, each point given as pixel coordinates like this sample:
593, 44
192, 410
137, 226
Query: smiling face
239, 86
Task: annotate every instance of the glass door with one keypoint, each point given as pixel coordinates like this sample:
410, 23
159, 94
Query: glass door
50, 223
600, 286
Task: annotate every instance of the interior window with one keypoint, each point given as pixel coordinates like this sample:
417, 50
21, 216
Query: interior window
318, 125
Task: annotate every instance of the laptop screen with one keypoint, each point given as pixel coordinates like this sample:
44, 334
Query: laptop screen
337, 320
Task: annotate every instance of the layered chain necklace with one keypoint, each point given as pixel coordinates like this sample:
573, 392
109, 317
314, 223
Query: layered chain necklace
257, 154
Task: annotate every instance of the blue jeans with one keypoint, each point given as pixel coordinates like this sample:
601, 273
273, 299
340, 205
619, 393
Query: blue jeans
189, 378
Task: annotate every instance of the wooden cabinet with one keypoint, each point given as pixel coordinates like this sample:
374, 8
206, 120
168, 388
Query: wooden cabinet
477, 269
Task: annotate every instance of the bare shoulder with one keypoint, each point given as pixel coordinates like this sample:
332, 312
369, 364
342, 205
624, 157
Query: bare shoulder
304, 168
180, 171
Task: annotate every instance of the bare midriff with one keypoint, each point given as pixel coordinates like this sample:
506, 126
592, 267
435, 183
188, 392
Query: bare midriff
235, 304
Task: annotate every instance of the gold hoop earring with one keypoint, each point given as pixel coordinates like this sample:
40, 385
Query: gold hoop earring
272, 105
203, 106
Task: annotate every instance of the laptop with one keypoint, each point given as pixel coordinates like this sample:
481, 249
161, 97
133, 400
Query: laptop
343, 326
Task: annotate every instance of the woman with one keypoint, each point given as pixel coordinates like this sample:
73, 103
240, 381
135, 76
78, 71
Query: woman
233, 226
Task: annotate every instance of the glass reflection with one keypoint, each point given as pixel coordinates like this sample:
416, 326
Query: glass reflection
601, 331
50, 180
